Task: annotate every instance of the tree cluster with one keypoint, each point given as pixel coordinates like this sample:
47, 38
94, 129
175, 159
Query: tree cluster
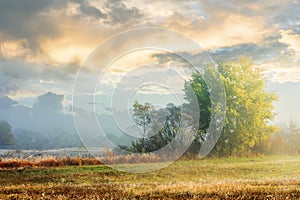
249, 111
158, 134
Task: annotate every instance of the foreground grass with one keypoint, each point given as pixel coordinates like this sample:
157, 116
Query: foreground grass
228, 178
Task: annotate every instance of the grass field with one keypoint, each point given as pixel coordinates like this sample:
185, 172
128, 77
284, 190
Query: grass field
276, 177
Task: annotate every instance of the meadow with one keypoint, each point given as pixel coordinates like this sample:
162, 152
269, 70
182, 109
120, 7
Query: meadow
272, 177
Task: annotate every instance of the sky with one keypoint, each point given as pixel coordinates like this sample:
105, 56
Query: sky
43, 45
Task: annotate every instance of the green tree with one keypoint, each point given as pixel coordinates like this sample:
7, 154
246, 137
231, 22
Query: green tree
198, 87
6, 135
170, 127
165, 126
141, 117
248, 107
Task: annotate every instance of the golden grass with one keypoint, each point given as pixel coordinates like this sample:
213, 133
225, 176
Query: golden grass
278, 190
66, 161
47, 162
226, 178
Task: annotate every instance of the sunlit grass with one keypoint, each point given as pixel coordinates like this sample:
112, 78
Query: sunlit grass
211, 178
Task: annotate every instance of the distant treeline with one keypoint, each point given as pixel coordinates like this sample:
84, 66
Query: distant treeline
285, 141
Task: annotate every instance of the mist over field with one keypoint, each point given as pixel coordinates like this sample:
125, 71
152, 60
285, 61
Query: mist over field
126, 99
39, 66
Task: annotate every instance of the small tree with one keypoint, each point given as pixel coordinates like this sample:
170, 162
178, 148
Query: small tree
6, 135
170, 118
141, 117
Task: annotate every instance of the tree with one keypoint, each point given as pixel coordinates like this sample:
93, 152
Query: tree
141, 117
248, 110
169, 129
6, 135
165, 126
197, 86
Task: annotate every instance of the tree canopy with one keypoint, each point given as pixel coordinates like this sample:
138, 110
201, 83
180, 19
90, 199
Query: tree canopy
249, 107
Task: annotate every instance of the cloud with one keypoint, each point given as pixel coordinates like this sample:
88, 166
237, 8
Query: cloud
43, 43
221, 28
20, 29
280, 72
46, 114
22, 80
7, 87
6, 103
292, 39
120, 14
13, 49
71, 29
49, 101
22, 18
284, 14
89, 10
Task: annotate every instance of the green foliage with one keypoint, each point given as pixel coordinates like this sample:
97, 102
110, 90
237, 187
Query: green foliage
162, 136
248, 107
141, 115
249, 111
197, 87
6, 135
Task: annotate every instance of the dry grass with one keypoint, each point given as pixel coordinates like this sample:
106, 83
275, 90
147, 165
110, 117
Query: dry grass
228, 178
223, 190
47, 162
54, 162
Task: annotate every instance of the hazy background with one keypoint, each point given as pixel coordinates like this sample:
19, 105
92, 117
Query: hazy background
43, 43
